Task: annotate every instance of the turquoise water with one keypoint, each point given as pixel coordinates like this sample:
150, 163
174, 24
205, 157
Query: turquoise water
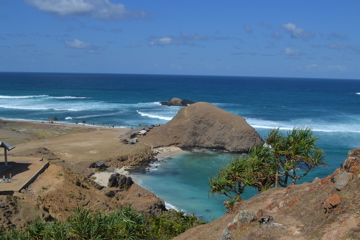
183, 181
329, 106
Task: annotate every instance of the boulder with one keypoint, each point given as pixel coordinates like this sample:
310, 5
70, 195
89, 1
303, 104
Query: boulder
332, 202
203, 125
130, 141
177, 102
348, 170
120, 181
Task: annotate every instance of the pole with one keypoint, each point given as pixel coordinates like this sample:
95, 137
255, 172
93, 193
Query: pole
5, 154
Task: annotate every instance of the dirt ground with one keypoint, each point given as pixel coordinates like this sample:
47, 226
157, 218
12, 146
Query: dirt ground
68, 181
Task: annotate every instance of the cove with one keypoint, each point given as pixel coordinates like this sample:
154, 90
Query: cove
182, 182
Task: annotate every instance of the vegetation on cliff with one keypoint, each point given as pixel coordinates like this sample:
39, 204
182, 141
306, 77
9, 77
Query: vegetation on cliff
277, 163
124, 223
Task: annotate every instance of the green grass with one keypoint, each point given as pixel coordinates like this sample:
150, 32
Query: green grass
124, 223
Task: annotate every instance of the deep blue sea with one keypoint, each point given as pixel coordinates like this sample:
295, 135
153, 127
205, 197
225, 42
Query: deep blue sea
328, 106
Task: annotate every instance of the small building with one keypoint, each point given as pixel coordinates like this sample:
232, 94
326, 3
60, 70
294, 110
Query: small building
98, 164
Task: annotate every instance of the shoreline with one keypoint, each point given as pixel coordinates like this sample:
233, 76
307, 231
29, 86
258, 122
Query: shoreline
74, 124
131, 171
58, 138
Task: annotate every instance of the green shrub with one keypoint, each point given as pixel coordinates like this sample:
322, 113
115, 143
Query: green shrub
124, 223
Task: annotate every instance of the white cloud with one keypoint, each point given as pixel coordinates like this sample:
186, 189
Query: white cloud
296, 32
162, 41
76, 43
292, 52
182, 39
100, 9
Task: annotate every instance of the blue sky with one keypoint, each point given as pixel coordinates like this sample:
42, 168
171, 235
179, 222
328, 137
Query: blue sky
280, 38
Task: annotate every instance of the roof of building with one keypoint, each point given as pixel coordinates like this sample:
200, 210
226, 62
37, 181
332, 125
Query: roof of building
7, 146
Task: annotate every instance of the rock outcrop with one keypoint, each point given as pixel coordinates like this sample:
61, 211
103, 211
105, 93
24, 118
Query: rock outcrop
203, 125
177, 102
120, 181
326, 208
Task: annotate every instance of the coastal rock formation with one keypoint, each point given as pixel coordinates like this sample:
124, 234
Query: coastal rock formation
177, 102
120, 181
203, 125
326, 208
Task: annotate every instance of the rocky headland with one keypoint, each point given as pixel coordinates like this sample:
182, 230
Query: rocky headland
203, 125
325, 208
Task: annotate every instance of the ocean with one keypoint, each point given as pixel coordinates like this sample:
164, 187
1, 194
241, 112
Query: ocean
330, 107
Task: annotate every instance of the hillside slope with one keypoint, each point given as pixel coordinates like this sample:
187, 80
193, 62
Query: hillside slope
326, 208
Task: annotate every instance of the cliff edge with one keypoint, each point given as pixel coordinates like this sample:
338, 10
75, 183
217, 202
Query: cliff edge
203, 125
326, 208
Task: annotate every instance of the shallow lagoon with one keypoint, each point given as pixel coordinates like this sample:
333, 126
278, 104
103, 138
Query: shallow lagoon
182, 181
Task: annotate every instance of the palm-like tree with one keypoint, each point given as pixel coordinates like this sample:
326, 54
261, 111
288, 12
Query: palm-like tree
275, 163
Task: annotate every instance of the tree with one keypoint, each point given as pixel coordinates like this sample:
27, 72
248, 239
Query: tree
273, 164
295, 151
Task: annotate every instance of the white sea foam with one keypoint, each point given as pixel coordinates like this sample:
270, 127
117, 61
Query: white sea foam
68, 118
40, 96
66, 97
22, 97
170, 206
153, 116
317, 126
96, 115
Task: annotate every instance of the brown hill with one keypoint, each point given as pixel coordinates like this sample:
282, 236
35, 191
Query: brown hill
326, 208
68, 181
203, 125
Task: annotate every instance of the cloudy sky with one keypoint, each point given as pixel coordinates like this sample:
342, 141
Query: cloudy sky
279, 38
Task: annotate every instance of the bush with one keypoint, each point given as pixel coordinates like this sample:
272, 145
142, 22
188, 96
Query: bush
124, 223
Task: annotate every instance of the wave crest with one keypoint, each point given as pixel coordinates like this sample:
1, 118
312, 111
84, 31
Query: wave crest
153, 116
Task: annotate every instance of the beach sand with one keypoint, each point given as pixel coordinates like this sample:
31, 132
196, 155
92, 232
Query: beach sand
75, 147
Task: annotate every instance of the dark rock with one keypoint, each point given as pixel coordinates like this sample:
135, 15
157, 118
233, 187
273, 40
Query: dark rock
110, 194
177, 102
266, 221
120, 181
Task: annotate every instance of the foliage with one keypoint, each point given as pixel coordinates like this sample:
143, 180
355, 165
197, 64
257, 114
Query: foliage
296, 150
275, 163
124, 223
171, 224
